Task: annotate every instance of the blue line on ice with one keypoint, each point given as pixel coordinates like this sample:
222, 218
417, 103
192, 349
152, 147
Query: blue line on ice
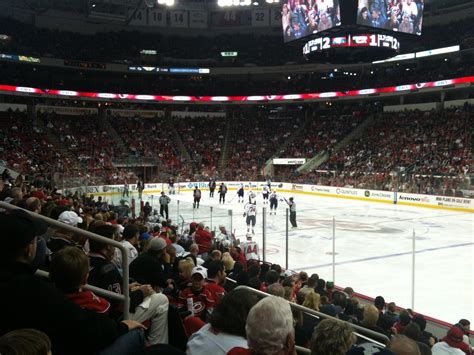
382, 256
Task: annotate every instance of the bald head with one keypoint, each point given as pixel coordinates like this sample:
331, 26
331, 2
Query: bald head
403, 345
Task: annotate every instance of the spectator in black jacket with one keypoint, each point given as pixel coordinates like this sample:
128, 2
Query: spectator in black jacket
145, 303
153, 267
39, 305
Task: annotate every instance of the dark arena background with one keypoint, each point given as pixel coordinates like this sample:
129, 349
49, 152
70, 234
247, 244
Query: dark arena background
168, 164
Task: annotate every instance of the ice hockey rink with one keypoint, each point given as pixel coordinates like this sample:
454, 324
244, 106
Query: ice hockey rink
373, 246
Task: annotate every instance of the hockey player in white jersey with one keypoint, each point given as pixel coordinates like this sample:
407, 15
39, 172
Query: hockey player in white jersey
265, 193
252, 197
251, 214
273, 202
250, 248
240, 193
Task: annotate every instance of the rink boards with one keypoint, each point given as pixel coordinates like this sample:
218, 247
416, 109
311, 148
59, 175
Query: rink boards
401, 198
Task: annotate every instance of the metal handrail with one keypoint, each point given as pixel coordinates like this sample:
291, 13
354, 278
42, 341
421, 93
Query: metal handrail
125, 297
368, 332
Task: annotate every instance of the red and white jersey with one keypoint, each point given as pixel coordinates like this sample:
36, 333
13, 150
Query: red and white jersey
250, 209
265, 189
250, 249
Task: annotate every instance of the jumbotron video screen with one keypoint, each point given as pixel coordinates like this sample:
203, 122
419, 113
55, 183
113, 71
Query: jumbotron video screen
301, 18
404, 16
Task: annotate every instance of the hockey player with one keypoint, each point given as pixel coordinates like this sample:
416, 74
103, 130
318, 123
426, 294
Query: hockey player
273, 202
197, 197
140, 187
222, 192
265, 193
125, 190
171, 185
240, 193
224, 239
252, 197
250, 249
212, 187
251, 214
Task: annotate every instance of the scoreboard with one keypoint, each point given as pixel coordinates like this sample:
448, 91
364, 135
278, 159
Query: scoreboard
225, 18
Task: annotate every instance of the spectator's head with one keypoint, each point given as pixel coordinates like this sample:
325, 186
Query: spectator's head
371, 315
276, 289
312, 300
332, 337
269, 327
216, 271
216, 255
405, 317
19, 232
198, 277
412, 331
231, 313
255, 283
228, 262
379, 302
95, 246
131, 233
25, 342
464, 325
401, 344
454, 338
272, 277
312, 280
33, 204
303, 277
70, 218
194, 249
392, 307
185, 268
421, 321
349, 291
69, 269
157, 246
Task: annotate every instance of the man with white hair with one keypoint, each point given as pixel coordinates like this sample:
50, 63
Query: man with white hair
270, 329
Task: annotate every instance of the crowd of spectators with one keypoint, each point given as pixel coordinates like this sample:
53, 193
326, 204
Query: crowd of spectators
326, 132
396, 144
204, 139
254, 139
180, 298
410, 151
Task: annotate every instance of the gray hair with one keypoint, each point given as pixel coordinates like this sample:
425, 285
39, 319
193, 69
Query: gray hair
269, 323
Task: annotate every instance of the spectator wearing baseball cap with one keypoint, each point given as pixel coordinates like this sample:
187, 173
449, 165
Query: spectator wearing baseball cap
202, 301
62, 237
452, 343
153, 266
38, 304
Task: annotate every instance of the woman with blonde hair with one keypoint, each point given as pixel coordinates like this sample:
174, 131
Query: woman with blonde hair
228, 262
332, 337
311, 301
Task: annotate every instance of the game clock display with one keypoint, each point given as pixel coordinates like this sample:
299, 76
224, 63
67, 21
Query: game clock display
348, 41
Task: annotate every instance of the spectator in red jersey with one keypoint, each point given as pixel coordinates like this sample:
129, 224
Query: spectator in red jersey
238, 255
452, 343
201, 303
204, 240
216, 277
69, 270
404, 320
